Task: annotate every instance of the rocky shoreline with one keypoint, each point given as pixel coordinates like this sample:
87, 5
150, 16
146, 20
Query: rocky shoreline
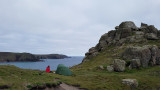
27, 57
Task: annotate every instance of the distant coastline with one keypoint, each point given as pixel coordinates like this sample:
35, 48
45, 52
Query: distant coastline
27, 57
50, 56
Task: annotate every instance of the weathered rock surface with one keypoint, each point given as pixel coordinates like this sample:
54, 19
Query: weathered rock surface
119, 65
128, 24
133, 83
101, 67
148, 55
126, 32
110, 68
135, 63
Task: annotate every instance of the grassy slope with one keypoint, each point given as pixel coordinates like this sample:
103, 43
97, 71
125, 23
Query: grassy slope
87, 75
19, 79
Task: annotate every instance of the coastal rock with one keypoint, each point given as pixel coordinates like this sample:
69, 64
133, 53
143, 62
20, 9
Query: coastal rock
158, 34
119, 65
101, 67
110, 68
142, 53
154, 54
128, 24
133, 83
148, 55
126, 32
90, 54
143, 25
158, 57
151, 36
135, 63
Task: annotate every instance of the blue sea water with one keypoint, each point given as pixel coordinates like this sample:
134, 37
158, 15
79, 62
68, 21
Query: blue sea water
53, 63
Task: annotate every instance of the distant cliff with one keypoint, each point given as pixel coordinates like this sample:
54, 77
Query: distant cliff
17, 57
51, 56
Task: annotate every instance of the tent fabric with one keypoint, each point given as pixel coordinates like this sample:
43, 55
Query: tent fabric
63, 70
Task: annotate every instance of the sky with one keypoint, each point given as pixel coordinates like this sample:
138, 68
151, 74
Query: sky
67, 27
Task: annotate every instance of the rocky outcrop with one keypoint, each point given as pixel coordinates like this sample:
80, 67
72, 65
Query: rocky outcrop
126, 32
119, 65
145, 55
51, 56
17, 57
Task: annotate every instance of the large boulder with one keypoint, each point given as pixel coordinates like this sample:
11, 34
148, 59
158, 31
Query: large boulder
133, 83
125, 32
119, 65
142, 53
128, 24
148, 55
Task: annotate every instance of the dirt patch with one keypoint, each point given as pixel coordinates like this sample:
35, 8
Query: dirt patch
69, 87
61, 86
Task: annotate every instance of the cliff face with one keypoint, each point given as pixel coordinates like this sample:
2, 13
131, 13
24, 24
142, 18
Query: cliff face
51, 56
14, 57
127, 33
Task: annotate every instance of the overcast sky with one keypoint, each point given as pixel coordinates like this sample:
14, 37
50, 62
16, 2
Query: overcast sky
68, 27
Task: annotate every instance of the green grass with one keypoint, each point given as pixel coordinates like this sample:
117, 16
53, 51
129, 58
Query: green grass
19, 79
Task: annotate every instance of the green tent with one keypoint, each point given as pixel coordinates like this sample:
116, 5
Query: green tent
63, 70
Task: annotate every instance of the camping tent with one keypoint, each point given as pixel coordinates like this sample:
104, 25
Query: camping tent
63, 70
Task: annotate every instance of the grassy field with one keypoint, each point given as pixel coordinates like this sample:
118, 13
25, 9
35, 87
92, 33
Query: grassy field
21, 79
86, 75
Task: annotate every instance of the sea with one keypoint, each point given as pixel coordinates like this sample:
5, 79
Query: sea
53, 63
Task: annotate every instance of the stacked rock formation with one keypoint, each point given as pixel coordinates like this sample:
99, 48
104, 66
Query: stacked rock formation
128, 32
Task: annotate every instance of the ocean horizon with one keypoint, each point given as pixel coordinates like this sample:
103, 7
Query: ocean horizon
53, 63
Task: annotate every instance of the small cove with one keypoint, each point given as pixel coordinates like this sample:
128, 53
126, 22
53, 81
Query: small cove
53, 63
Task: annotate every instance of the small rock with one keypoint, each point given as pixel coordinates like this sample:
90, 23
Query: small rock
110, 68
133, 83
119, 65
101, 67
